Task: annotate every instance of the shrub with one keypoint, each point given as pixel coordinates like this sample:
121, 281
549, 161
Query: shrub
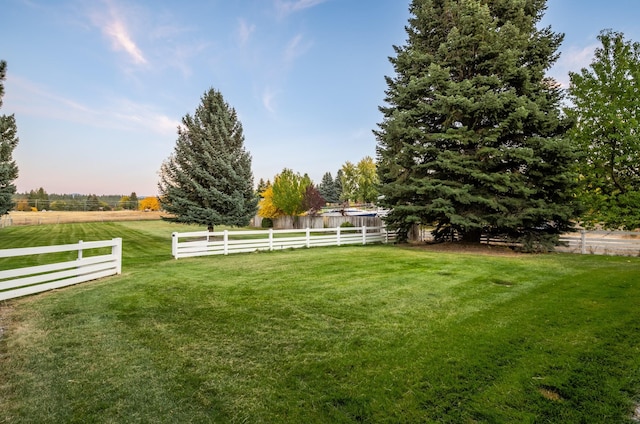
267, 223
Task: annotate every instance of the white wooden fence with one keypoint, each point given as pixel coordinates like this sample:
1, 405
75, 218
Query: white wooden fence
620, 243
203, 243
35, 279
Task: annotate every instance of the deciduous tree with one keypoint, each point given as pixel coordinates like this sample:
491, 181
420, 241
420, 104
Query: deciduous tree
313, 200
208, 179
349, 182
289, 189
266, 208
605, 108
367, 176
8, 143
150, 203
471, 139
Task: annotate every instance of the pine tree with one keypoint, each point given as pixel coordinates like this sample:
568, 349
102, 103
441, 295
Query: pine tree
133, 201
8, 143
337, 184
327, 189
472, 135
208, 180
38, 199
262, 186
93, 203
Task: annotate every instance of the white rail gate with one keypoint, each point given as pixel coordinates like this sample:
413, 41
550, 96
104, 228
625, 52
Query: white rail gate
203, 243
35, 279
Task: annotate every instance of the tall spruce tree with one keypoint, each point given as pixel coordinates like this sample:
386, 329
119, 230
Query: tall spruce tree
327, 188
8, 142
472, 135
207, 180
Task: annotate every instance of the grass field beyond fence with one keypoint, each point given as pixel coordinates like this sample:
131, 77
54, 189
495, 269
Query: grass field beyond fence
324, 335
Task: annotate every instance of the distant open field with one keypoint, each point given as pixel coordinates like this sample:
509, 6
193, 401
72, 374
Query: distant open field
61, 217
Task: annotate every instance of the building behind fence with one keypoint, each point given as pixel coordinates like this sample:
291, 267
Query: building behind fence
302, 222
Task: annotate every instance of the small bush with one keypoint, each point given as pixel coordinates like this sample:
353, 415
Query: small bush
267, 223
346, 224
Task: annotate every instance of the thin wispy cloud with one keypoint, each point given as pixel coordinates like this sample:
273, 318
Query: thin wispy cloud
114, 27
121, 40
244, 31
577, 58
287, 7
142, 116
296, 47
268, 100
572, 60
179, 56
119, 113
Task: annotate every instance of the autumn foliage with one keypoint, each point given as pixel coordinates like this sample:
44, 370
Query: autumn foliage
266, 208
149, 203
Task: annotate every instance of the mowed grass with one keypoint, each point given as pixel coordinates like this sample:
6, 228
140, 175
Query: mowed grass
324, 335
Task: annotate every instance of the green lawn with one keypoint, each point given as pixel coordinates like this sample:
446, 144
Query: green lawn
326, 335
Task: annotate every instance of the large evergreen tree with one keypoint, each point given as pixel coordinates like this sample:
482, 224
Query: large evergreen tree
207, 180
605, 106
8, 142
327, 189
472, 135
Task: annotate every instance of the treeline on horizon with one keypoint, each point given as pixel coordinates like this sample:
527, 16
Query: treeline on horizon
40, 200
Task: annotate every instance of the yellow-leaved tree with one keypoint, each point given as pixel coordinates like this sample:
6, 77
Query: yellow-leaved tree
149, 204
266, 208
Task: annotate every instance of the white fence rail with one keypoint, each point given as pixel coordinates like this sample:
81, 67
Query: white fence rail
35, 279
203, 243
621, 243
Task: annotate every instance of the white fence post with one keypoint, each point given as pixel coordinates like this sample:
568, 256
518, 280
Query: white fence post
79, 250
270, 239
174, 245
583, 242
225, 240
308, 238
364, 234
338, 235
116, 251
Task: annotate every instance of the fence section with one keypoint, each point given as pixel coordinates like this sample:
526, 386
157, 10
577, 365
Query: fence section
621, 243
203, 243
35, 279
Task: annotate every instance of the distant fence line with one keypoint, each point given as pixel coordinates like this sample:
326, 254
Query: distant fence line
35, 279
620, 243
614, 243
202, 243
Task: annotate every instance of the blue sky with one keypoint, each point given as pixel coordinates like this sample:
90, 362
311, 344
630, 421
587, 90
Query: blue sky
98, 87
